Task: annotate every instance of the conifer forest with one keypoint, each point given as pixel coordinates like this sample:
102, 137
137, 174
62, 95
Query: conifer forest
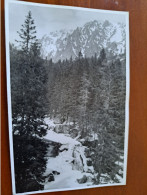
68, 106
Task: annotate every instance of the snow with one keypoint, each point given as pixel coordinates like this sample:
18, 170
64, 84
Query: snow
83, 51
121, 157
16, 132
120, 48
54, 42
60, 138
74, 51
119, 163
68, 173
68, 179
119, 178
49, 122
50, 42
43, 126
19, 118
93, 28
71, 162
63, 163
117, 37
75, 44
93, 136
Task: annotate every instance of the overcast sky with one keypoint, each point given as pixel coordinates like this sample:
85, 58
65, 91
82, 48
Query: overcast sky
48, 19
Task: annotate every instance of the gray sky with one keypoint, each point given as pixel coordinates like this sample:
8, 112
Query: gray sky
48, 19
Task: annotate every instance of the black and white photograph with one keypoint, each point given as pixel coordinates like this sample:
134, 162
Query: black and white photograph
68, 96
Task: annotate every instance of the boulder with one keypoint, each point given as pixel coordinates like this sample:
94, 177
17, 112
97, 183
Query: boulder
82, 180
89, 171
89, 179
63, 148
87, 153
89, 163
74, 133
56, 172
51, 177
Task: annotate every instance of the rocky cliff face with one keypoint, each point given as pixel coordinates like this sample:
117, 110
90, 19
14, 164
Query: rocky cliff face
89, 39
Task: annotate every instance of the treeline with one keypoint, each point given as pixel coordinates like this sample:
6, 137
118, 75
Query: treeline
28, 92
90, 92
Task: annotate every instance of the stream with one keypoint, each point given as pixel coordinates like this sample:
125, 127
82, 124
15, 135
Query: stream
70, 163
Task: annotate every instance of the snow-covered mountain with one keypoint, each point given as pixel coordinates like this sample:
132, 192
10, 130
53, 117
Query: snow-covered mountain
89, 39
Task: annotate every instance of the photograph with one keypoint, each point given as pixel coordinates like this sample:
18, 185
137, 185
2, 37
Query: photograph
68, 96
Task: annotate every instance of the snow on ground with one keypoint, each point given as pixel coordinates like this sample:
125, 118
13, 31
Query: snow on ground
71, 162
68, 173
68, 176
49, 122
61, 138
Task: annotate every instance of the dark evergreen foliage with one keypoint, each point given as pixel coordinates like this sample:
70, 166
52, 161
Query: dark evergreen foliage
90, 92
28, 86
27, 33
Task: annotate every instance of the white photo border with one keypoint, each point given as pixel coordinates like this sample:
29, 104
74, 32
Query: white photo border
126, 14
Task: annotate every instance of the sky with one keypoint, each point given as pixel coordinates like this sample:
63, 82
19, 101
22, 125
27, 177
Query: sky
49, 19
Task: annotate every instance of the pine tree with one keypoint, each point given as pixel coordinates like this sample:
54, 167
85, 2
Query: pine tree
90, 92
28, 79
83, 99
27, 33
107, 151
102, 55
80, 55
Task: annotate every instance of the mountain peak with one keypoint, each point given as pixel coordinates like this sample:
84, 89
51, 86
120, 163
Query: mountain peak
89, 39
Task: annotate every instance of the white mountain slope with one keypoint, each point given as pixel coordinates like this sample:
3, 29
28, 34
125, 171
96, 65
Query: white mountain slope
89, 39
